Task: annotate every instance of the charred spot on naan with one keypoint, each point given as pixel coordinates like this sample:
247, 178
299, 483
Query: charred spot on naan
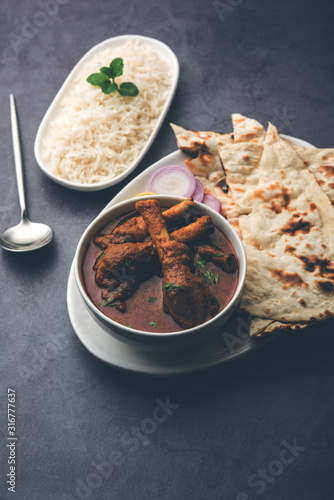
288, 279
314, 262
290, 249
204, 164
295, 226
328, 170
325, 286
302, 302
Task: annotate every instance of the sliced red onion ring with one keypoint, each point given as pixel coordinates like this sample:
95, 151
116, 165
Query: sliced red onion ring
212, 202
172, 179
198, 194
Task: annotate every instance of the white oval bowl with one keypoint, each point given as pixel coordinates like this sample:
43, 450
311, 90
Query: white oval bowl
151, 340
163, 51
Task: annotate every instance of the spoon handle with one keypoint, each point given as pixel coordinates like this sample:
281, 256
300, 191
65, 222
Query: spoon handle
17, 156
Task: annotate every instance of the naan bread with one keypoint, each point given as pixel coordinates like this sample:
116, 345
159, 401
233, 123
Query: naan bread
191, 141
203, 146
247, 130
321, 163
282, 215
288, 236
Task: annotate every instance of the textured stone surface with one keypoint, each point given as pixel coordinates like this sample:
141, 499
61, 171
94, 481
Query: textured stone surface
268, 60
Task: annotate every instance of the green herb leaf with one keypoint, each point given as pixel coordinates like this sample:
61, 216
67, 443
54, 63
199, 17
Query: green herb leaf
97, 79
169, 286
130, 326
128, 239
116, 67
106, 71
128, 89
216, 278
212, 278
107, 87
187, 248
208, 276
153, 323
200, 263
110, 302
219, 254
106, 74
127, 264
152, 299
102, 255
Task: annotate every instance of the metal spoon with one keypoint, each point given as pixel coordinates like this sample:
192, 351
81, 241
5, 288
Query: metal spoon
27, 235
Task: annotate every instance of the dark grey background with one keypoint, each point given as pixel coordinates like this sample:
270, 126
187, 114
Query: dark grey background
268, 60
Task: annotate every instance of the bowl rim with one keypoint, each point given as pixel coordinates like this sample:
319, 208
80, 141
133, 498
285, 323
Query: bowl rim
104, 215
161, 48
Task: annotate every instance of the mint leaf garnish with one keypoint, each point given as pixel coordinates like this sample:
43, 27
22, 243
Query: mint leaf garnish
152, 299
97, 79
107, 87
116, 67
128, 89
103, 79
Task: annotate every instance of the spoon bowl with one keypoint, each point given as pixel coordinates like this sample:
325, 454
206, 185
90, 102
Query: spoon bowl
26, 236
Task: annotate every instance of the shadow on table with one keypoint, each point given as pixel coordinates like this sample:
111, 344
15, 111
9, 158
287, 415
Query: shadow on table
287, 356
30, 262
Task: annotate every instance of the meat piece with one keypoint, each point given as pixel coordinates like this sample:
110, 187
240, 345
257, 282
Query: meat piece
117, 254
185, 296
122, 268
225, 260
195, 231
117, 296
135, 229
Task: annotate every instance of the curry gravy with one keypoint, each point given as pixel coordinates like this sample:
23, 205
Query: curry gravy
142, 309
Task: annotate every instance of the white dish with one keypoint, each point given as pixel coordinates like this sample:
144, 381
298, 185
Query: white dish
151, 340
219, 348
164, 52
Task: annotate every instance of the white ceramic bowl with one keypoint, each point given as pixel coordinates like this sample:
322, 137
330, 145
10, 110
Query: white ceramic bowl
151, 340
113, 43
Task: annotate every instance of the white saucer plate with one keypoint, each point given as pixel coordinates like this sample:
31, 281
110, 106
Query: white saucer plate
223, 346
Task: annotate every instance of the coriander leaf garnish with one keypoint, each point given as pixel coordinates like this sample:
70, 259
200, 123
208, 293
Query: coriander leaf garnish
153, 323
211, 278
169, 286
200, 263
152, 299
110, 302
130, 326
128, 239
216, 278
219, 254
102, 255
106, 74
208, 276
128, 264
